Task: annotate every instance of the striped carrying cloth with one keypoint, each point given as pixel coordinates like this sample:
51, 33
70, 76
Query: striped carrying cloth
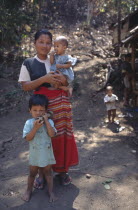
64, 145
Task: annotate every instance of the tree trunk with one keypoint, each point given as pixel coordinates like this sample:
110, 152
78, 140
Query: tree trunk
89, 12
39, 22
119, 25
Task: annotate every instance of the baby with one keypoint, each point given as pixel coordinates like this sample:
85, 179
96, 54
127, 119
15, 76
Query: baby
110, 101
61, 61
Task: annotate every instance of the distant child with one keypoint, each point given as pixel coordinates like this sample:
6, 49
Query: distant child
62, 62
110, 101
38, 132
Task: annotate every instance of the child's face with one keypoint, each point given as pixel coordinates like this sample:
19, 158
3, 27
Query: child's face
59, 48
109, 92
37, 111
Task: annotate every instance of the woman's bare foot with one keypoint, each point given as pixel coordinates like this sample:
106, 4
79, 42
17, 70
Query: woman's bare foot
27, 195
52, 198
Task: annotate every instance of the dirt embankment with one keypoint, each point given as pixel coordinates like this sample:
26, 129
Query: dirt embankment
108, 156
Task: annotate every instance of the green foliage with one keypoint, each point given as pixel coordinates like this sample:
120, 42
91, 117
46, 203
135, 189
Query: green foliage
19, 17
127, 6
14, 15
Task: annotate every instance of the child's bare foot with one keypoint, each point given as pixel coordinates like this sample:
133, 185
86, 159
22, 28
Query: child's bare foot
52, 198
27, 195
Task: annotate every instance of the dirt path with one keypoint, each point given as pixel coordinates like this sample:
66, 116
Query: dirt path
104, 154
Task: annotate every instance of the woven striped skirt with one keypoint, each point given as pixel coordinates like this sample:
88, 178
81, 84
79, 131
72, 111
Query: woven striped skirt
64, 145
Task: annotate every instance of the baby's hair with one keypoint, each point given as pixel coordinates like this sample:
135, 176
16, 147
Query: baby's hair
38, 100
62, 39
109, 88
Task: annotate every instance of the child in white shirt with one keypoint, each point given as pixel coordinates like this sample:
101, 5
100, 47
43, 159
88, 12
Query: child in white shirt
110, 101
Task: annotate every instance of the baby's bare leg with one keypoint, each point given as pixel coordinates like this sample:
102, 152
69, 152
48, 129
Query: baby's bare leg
31, 177
109, 115
70, 91
49, 178
55, 85
113, 114
65, 88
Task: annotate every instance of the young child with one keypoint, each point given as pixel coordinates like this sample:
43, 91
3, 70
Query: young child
62, 62
110, 101
37, 131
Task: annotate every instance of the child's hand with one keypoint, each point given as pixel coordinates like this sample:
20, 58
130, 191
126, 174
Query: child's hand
38, 124
45, 116
53, 52
112, 100
58, 66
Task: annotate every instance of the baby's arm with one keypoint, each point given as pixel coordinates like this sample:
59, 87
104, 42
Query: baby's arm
107, 100
31, 134
50, 129
63, 66
116, 98
113, 99
52, 57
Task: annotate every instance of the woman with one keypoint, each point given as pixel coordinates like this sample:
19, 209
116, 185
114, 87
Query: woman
34, 75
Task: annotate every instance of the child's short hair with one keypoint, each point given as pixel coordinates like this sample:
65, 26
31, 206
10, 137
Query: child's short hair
63, 40
109, 88
37, 100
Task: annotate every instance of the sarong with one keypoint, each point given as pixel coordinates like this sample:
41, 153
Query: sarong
64, 145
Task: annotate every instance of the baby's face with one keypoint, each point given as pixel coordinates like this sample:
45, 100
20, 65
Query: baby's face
59, 48
109, 92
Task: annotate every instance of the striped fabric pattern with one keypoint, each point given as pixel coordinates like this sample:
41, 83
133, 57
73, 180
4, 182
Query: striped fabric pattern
62, 114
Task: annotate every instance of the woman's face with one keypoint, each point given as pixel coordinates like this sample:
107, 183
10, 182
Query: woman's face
43, 45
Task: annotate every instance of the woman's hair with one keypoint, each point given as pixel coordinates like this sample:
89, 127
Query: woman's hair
40, 32
62, 39
38, 100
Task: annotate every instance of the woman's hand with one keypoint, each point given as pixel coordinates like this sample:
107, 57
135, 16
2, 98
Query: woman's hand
61, 78
51, 78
